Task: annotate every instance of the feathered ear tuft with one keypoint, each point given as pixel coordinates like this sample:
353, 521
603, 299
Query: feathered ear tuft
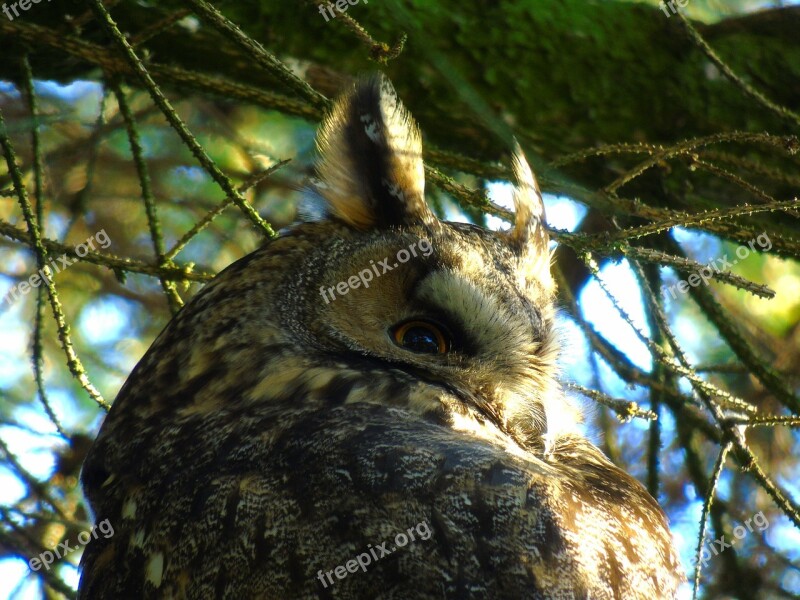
371, 167
529, 236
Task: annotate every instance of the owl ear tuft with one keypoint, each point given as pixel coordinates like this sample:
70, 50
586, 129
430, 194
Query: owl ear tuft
529, 236
371, 172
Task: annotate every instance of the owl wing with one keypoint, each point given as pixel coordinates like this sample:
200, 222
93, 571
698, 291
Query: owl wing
368, 501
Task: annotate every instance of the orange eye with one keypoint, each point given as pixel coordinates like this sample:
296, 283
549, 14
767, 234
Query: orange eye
421, 336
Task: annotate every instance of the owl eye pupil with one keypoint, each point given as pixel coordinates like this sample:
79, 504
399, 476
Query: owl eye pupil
420, 340
421, 336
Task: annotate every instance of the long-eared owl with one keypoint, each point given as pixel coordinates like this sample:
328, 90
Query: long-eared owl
367, 407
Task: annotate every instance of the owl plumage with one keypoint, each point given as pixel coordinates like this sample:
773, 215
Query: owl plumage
284, 424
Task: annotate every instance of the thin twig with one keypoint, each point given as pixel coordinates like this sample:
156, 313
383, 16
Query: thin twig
217, 210
625, 409
175, 121
117, 263
158, 27
686, 265
749, 90
707, 393
784, 143
271, 64
173, 298
73, 362
682, 219
737, 180
712, 487
379, 51
37, 355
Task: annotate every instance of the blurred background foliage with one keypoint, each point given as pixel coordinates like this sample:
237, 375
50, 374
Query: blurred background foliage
628, 120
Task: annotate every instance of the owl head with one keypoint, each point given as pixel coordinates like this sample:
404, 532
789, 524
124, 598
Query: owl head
459, 318
375, 299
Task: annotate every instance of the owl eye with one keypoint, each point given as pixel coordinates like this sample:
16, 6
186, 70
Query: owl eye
422, 336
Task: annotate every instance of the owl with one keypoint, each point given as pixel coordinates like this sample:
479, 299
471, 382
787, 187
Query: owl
367, 407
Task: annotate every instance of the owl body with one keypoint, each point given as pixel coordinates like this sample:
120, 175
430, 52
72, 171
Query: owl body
366, 407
